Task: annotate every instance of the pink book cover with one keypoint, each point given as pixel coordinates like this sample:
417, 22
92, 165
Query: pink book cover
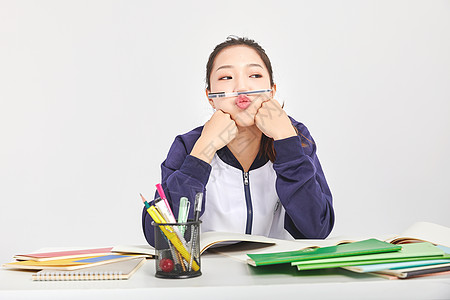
65, 254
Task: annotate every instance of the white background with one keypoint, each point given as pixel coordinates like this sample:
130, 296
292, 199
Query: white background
92, 94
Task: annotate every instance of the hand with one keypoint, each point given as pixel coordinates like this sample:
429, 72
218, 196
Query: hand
273, 121
217, 133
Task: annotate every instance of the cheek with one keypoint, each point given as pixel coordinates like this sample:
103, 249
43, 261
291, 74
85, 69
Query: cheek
226, 105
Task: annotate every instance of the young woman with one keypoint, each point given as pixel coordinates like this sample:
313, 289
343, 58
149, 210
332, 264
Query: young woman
256, 166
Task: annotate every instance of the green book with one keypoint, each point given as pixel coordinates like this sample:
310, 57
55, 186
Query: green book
350, 249
409, 252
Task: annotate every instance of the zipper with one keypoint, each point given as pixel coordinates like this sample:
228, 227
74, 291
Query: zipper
248, 201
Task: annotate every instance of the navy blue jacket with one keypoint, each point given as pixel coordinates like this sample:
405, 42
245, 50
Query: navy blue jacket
300, 182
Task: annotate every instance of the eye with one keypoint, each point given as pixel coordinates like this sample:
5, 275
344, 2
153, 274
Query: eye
225, 78
256, 76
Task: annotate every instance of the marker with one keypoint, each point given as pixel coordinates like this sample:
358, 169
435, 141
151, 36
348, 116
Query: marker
163, 197
235, 94
165, 210
183, 212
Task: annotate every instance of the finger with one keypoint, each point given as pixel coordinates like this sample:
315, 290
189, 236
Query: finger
259, 100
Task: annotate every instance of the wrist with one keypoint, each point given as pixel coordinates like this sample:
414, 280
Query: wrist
284, 134
204, 150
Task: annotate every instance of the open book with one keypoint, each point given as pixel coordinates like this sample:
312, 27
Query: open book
207, 240
423, 232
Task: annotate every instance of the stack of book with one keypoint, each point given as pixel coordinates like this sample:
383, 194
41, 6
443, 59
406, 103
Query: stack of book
83, 264
409, 256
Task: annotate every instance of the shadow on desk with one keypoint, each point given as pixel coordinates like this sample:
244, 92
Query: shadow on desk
287, 269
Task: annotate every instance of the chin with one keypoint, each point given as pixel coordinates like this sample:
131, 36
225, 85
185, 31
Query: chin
245, 121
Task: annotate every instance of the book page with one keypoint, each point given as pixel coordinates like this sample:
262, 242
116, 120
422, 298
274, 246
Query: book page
429, 232
214, 238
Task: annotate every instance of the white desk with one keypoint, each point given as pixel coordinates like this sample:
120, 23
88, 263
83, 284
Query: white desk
225, 278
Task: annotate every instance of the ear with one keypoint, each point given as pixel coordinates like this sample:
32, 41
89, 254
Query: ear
211, 102
274, 89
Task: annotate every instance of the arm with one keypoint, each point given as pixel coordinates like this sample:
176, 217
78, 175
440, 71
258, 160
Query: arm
183, 175
186, 169
302, 188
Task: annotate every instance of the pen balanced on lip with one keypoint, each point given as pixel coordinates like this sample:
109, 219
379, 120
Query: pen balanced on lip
226, 95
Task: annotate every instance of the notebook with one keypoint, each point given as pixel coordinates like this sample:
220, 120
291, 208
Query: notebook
112, 271
350, 249
409, 252
418, 271
43, 256
69, 264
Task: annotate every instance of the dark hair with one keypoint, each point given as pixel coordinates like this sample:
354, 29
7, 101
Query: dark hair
237, 41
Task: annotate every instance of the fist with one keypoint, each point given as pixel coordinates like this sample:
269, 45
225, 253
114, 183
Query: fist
273, 121
219, 130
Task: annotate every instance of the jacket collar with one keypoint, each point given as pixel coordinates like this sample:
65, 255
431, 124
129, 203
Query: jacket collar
227, 157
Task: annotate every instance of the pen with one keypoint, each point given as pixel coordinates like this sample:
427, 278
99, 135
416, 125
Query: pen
163, 197
198, 208
226, 95
183, 212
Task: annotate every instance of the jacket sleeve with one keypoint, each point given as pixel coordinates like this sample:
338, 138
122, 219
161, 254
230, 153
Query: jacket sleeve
302, 188
183, 175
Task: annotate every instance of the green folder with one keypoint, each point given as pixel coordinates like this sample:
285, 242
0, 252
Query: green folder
409, 252
350, 249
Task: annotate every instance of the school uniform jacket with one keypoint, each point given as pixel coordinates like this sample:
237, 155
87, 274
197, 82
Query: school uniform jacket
286, 199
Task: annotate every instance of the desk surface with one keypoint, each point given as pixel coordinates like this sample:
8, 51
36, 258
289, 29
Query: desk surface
226, 278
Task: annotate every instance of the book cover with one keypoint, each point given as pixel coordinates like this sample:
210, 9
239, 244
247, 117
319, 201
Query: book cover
43, 256
409, 252
417, 271
113, 271
350, 249
68, 264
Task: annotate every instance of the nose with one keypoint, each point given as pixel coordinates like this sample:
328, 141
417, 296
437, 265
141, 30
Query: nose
241, 83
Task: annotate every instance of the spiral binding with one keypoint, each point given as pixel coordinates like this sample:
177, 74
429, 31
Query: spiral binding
65, 276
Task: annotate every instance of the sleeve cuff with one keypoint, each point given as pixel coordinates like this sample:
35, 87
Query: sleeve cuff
196, 168
288, 149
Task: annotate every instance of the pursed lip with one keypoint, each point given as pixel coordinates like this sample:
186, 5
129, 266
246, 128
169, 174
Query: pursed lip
243, 101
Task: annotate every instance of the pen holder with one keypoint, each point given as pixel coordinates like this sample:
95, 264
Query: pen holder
177, 247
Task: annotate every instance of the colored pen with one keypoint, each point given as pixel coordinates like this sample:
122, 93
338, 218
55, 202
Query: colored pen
163, 196
226, 95
183, 212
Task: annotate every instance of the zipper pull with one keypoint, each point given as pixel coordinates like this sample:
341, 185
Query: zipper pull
246, 178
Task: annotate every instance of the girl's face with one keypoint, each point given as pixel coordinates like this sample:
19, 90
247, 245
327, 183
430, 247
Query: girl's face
239, 69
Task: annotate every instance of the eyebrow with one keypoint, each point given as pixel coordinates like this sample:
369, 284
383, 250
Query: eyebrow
230, 66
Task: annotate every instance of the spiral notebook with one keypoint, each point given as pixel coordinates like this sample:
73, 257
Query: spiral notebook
112, 271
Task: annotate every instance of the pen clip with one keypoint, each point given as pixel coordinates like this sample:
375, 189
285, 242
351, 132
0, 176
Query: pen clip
198, 201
